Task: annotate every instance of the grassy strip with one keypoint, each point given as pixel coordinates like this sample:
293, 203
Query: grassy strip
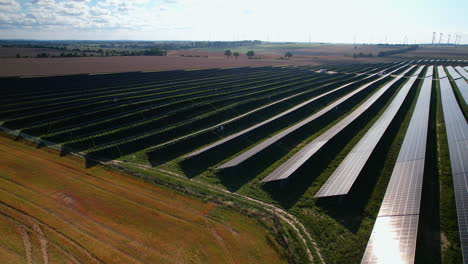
461, 102
450, 239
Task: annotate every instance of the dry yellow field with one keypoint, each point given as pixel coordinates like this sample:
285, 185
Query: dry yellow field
53, 210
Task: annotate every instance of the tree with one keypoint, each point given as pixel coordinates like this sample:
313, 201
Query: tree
288, 55
250, 54
236, 54
228, 53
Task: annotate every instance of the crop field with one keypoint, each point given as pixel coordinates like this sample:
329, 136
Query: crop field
52, 210
352, 152
95, 65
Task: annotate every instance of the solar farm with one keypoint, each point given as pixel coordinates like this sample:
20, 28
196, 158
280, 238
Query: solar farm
352, 150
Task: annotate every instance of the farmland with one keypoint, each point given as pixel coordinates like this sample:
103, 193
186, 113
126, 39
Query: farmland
52, 210
276, 134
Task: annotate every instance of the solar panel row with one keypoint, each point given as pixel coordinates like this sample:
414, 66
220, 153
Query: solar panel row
457, 137
396, 225
301, 157
343, 178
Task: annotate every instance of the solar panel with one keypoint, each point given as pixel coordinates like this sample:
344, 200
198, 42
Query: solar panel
457, 137
460, 81
297, 160
393, 240
400, 208
453, 73
343, 178
270, 141
462, 71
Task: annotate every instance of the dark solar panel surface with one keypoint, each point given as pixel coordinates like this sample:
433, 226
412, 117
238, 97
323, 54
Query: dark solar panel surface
457, 137
397, 221
270, 141
238, 134
298, 159
343, 178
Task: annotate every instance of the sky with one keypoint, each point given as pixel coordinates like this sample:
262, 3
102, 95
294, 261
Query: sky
336, 21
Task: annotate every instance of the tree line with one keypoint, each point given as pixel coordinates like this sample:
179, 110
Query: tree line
250, 54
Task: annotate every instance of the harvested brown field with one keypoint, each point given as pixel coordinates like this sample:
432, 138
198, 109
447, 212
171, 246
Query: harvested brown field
452, 52
53, 210
83, 65
10, 52
333, 50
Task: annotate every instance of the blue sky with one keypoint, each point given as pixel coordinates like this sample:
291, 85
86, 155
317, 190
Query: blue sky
368, 21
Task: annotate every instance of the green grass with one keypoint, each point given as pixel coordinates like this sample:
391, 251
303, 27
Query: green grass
450, 242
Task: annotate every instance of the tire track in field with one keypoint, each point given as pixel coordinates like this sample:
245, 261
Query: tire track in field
26, 242
18, 222
88, 233
43, 242
58, 233
285, 216
116, 185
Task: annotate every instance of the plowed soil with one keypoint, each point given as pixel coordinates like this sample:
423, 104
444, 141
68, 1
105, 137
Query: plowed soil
84, 65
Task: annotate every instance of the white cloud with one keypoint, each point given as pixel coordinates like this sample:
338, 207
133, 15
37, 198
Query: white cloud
228, 20
9, 5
